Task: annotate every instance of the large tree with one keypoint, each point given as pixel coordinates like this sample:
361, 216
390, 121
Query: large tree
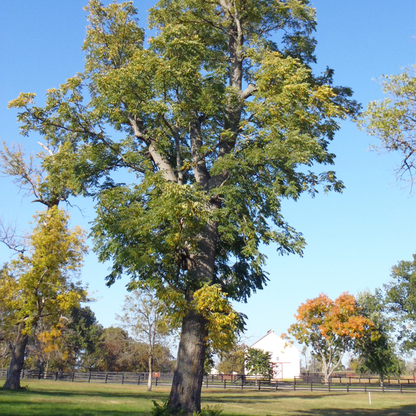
211, 124
393, 120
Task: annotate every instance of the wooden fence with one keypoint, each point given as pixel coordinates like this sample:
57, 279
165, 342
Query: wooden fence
232, 381
95, 376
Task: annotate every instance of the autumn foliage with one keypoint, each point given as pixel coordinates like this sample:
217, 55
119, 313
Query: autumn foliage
330, 328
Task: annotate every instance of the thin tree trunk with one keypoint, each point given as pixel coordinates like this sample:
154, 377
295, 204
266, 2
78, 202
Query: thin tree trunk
16, 363
189, 373
45, 374
149, 379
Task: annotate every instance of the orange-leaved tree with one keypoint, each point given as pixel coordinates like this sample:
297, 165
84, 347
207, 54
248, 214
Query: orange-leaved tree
330, 328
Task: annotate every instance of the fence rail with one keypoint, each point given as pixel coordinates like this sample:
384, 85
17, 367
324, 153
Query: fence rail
231, 381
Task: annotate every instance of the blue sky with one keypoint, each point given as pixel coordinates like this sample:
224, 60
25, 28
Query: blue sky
353, 238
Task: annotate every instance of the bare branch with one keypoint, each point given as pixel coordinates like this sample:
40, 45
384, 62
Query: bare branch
8, 236
46, 148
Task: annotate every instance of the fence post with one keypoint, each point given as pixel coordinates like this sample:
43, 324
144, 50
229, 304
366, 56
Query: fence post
242, 382
225, 384
294, 383
277, 385
138, 380
365, 388
73, 375
156, 381
259, 385
329, 385
122, 378
56, 375
106, 377
382, 387
348, 387
207, 381
311, 386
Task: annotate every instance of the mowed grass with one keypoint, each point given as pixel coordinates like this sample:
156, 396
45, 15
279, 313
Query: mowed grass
49, 398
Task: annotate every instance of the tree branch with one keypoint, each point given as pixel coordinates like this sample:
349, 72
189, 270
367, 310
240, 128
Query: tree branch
161, 162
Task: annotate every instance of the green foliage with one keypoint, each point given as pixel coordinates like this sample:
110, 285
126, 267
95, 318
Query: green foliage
215, 410
233, 361
73, 346
81, 336
377, 354
194, 145
401, 301
257, 363
393, 121
166, 409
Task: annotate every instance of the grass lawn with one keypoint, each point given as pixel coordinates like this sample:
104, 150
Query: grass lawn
49, 398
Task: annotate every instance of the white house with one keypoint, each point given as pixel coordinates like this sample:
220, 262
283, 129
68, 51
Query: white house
285, 358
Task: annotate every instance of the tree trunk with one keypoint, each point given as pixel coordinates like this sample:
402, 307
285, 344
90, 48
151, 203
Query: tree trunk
45, 374
189, 373
149, 379
16, 364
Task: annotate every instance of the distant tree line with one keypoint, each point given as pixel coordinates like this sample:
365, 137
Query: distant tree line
81, 343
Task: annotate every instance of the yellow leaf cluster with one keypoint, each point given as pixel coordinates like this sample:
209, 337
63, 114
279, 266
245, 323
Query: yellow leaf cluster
222, 319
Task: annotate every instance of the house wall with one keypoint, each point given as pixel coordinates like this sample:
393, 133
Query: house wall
286, 359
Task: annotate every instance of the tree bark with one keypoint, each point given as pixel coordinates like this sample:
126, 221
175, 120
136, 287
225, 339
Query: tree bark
188, 376
16, 364
149, 379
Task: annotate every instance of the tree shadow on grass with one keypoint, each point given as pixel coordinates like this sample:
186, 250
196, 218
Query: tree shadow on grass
247, 398
35, 408
116, 394
405, 410
250, 399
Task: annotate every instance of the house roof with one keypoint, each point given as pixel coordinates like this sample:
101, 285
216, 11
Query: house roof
276, 341
270, 331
